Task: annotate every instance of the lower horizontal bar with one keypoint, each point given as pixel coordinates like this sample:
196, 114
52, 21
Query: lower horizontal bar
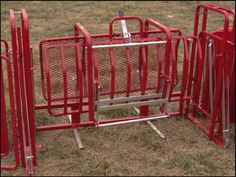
58, 105
130, 98
143, 103
64, 126
130, 121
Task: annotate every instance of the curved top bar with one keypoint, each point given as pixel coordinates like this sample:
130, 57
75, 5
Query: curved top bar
220, 8
86, 34
217, 10
212, 8
125, 18
25, 35
150, 21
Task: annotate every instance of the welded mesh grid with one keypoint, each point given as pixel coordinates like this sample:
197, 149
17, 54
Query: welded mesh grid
54, 57
155, 55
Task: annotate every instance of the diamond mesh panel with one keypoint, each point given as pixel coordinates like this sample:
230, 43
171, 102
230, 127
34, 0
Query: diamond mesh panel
155, 55
54, 59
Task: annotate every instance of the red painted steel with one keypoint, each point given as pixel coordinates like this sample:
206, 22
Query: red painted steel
77, 76
4, 132
28, 81
16, 82
4, 125
24, 126
222, 59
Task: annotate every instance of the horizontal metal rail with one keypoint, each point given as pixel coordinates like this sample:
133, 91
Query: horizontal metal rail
130, 98
129, 44
152, 102
130, 121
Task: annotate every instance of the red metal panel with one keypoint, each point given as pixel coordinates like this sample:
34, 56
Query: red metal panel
28, 66
72, 70
16, 83
4, 127
5, 140
220, 68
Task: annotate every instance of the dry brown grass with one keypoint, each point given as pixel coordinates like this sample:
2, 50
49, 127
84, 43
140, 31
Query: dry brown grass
132, 149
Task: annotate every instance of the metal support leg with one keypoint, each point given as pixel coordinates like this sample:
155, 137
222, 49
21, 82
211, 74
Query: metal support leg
77, 137
150, 124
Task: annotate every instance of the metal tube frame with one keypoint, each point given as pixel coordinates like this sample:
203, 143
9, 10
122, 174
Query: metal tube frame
193, 58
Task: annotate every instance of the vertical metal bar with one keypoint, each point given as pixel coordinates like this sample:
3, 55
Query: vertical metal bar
75, 117
32, 74
143, 109
80, 77
165, 105
223, 106
210, 60
232, 90
95, 64
22, 87
205, 76
12, 112
97, 95
204, 19
185, 76
5, 148
159, 68
112, 62
96, 105
29, 86
144, 71
16, 81
64, 78
174, 77
198, 75
88, 44
48, 79
84, 68
128, 71
227, 106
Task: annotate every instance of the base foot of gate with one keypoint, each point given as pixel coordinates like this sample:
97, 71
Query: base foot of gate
150, 124
155, 129
77, 137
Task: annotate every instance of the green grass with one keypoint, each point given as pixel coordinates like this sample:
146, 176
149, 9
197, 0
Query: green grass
132, 149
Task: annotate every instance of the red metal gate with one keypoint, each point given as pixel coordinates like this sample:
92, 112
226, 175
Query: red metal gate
88, 74
214, 88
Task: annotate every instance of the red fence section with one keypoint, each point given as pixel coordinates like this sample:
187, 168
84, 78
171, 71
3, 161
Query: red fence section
88, 74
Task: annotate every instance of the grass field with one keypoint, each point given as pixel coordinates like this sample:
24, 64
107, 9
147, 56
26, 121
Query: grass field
131, 149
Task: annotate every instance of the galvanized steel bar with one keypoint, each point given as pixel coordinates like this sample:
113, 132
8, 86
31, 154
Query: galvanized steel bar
129, 44
130, 98
142, 103
131, 121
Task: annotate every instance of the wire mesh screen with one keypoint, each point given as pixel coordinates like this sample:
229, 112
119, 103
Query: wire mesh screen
60, 55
